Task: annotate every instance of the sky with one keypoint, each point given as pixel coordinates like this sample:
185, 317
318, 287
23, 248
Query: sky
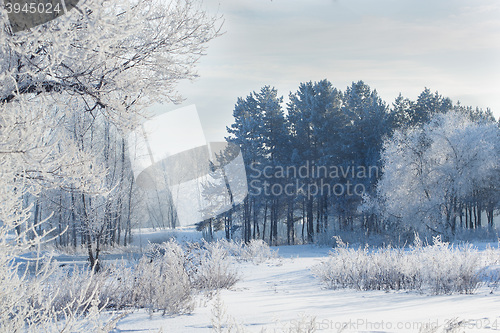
395, 46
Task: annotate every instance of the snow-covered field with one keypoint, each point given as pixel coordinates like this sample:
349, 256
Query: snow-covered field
283, 295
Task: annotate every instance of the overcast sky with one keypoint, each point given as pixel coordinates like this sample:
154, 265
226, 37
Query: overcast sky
452, 46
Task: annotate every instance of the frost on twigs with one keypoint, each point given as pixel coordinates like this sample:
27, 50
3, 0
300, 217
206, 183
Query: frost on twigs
256, 251
115, 58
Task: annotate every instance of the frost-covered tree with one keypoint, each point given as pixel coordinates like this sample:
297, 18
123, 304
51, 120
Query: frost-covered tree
116, 58
323, 128
432, 172
402, 112
105, 62
101, 58
407, 113
303, 111
277, 153
345, 131
246, 133
31, 160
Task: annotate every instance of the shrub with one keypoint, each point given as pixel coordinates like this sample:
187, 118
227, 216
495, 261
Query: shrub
257, 251
165, 279
162, 284
439, 268
211, 267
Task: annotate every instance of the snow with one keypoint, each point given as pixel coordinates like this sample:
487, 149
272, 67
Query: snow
282, 294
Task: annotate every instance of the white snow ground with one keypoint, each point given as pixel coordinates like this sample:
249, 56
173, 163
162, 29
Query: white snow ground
276, 295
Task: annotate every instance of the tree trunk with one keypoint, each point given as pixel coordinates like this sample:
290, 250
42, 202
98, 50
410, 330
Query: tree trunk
289, 222
310, 221
265, 222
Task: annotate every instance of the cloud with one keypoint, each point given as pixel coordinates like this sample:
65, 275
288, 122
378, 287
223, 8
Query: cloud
393, 45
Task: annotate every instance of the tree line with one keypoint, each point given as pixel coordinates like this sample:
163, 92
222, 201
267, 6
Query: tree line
332, 160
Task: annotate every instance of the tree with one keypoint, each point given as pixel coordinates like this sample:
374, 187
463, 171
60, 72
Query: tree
301, 110
276, 146
432, 173
316, 122
260, 130
114, 59
97, 59
245, 132
367, 124
29, 162
402, 112
427, 105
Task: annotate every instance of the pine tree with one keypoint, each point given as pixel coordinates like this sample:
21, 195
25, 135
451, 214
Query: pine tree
368, 122
316, 123
427, 105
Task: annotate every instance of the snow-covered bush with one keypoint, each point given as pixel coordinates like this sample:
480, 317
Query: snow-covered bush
447, 269
210, 263
162, 283
38, 297
439, 268
256, 251
27, 302
156, 284
165, 279
210, 267
361, 269
64, 286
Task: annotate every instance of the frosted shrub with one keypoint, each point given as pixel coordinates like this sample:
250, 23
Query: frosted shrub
160, 283
450, 269
210, 265
29, 300
211, 268
491, 261
257, 251
163, 283
233, 248
109, 287
440, 268
492, 255
392, 269
362, 269
65, 286
45, 299
164, 280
